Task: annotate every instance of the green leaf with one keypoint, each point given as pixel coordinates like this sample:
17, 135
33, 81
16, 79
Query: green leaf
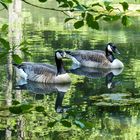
42, 0
111, 18
79, 124
4, 5
51, 124
70, 3
66, 123
4, 28
20, 108
97, 4
124, 5
3, 54
15, 110
59, 1
95, 25
26, 107
17, 59
67, 19
109, 8
40, 109
78, 24
99, 16
126, 21
91, 22
106, 3
6, 1
83, 14
15, 102
25, 51
138, 10
75, 1
65, 5
5, 43
89, 19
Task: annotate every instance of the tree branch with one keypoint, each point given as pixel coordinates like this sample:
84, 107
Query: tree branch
46, 8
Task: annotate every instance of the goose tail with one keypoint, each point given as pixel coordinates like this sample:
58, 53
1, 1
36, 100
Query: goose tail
70, 55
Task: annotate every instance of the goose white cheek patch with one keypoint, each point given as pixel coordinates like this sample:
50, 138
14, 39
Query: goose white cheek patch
58, 55
109, 48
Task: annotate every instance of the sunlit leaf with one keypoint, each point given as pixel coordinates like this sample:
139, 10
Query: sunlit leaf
40, 109
25, 107
78, 24
66, 123
67, 19
51, 124
42, 0
5, 43
124, 5
107, 3
7, 1
17, 59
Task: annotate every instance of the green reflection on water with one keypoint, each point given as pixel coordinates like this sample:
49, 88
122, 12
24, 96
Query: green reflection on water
89, 109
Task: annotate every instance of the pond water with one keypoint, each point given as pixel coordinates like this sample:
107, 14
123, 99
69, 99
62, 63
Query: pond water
97, 105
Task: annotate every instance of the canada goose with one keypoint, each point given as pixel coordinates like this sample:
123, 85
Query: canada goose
96, 58
44, 73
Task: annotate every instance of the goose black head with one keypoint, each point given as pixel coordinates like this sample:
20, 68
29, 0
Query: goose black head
112, 48
59, 54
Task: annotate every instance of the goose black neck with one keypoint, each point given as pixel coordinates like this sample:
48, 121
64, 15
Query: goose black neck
109, 55
59, 65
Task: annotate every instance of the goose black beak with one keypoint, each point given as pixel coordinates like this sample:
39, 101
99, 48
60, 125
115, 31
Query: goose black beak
116, 51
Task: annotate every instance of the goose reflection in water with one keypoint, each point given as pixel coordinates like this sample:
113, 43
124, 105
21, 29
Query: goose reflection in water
95, 73
42, 88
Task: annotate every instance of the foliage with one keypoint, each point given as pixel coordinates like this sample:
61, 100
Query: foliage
5, 2
90, 14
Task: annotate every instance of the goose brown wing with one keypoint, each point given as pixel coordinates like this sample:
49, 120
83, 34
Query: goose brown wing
94, 56
38, 68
